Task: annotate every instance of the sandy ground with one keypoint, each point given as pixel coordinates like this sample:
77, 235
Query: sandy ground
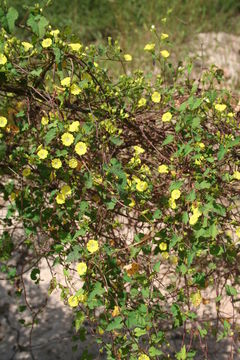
219, 49
52, 336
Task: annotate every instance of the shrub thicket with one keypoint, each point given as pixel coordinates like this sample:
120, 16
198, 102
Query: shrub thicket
131, 185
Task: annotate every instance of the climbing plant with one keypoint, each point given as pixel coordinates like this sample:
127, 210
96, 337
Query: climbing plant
130, 185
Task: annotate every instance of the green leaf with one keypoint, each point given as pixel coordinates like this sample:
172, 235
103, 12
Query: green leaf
43, 22
182, 355
157, 266
183, 106
221, 153
88, 180
191, 196
219, 209
203, 185
154, 351
116, 140
183, 269
139, 332
12, 16
196, 122
38, 24
213, 231
157, 214
115, 324
176, 185
12, 272
3, 149
185, 217
194, 102
168, 140
231, 291
34, 274
190, 258
202, 332
50, 135
57, 54
111, 204
174, 240
79, 319
234, 142
36, 72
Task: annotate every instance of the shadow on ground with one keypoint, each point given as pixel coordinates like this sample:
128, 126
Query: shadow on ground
52, 336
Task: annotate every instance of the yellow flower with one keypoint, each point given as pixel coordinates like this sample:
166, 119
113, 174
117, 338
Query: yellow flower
201, 145
73, 301
98, 179
163, 246
173, 260
46, 43
220, 107
66, 190
26, 172
81, 148
167, 117
149, 47
3, 121
231, 115
165, 255
164, 36
143, 357
73, 163
196, 211
115, 311
138, 150
44, 120
56, 163
145, 169
196, 298
132, 203
141, 186
172, 203
236, 175
3, 59
12, 196
175, 194
163, 169
60, 198
74, 126
42, 154
81, 268
164, 53
67, 139
142, 102
75, 47
75, 90
128, 57
193, 219
66, 81
156, 97
92, 246
82, 297
238, 232
27, 46
55, 33
198, 162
